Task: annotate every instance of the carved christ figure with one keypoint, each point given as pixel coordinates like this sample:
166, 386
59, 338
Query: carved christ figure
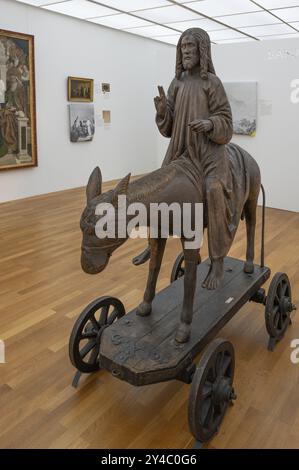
200, 166
196, 116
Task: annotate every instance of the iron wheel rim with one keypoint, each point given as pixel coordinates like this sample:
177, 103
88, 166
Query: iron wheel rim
85, 339
211, 390
278, 306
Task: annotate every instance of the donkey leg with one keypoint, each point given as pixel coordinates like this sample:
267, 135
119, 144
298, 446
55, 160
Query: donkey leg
250, 217
157, 247
191, 262
144, 256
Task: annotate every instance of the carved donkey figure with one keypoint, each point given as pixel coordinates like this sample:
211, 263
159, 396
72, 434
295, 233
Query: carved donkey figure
157, 187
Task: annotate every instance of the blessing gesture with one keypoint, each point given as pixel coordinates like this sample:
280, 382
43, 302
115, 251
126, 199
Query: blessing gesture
161, 102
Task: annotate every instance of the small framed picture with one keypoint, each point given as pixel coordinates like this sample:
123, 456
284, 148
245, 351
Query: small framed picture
80, 89
105, 88
106, 117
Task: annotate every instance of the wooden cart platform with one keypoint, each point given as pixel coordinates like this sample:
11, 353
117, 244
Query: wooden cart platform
142, 350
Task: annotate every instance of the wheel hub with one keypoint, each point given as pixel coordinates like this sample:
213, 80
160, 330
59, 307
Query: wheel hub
285, 305
223, 392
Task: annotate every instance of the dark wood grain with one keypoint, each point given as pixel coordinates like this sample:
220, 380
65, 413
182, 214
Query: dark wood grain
143, 350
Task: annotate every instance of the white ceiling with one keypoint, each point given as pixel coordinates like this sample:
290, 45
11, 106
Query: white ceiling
163, 20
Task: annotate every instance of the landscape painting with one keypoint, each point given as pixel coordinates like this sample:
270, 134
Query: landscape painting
243, 100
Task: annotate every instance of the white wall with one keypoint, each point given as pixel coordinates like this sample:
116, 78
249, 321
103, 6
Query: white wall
273, 64
133, 65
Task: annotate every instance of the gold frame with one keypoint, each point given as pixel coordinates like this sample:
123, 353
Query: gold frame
77, 99
32, 99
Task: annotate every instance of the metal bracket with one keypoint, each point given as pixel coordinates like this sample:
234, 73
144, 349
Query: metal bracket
76, 379
259, 296
197, 445
186, 375
272, 343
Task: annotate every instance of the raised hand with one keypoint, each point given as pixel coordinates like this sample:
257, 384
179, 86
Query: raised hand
201, 125
161, 102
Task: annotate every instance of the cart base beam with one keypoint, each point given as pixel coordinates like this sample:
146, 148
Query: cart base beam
143, 350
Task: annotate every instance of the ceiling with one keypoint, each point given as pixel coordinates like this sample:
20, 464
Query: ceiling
226, 21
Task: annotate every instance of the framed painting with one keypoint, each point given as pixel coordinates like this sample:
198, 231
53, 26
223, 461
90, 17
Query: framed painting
105, 88
82, 122
243, 100
18, 147
80, 89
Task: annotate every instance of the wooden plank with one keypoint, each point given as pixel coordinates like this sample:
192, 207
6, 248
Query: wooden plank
143, 350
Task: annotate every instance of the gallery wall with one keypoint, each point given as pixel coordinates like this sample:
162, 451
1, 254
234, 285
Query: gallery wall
133, 66
274, 64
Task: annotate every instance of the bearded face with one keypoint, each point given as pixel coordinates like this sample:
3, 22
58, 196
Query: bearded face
190, 52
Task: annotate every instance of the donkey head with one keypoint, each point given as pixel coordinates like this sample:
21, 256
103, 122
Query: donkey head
95, 251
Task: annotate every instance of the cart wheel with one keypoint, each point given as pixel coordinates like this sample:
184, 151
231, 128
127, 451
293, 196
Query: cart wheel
178, 269
84, 344
211, 389
278, 308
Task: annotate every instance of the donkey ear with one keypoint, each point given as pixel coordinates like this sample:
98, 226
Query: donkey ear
94, 185
121, 188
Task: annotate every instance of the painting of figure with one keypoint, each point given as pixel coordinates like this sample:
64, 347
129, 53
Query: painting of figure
82, 122
242, 97
17, 101
80, 89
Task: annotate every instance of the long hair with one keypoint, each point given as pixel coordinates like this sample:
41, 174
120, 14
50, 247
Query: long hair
204, 47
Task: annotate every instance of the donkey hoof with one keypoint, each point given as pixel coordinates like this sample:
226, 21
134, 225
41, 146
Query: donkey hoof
183, 333
248, 267
144, 309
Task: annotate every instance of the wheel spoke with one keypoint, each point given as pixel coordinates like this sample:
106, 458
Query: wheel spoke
285, 288
88, 335
275, 311
213, 372
207, 390
94, 354
219, 410
276, 320
104, 315
284, 321
219, 363
279, 321
87, 348
112, 317
209, 417
94, 322
226, 364
205, 407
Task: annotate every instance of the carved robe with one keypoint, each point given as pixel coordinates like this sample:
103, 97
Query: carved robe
203, 156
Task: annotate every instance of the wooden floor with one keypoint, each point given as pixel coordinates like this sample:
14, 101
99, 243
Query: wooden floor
42, 291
